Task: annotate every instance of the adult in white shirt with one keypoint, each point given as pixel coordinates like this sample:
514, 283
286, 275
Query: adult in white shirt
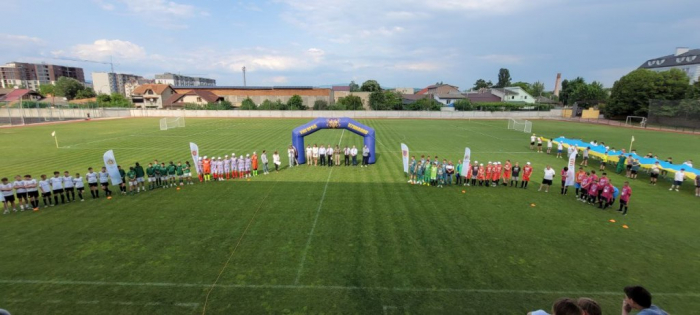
353, 153
560, 149
45, 186
549, 146
329, 155
79, 185
92, 183
314, 152
276, 161
678, 179
68, 186
346, 155
533, 138
309, 155
263, 159
688, 163
290, 156
8, 195
322, 155
549, 173
32, 191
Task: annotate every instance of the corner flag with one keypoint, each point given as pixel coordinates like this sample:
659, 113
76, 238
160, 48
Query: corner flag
53, 134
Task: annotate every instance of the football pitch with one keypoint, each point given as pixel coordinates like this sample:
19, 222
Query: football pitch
335, 240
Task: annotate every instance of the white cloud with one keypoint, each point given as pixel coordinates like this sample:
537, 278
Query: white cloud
503, 59
418, 66
101, 49
160, 13
10, 39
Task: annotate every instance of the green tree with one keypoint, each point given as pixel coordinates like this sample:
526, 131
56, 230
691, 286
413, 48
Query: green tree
567, 88
68, 87
503, 78
393, 100
631, 94
354, 87
536, 89
482, 84
47, 89
463, 105
370, 86
103, 99
85, 93
248, 104
296, 103
118, 100
425, 104
523, 85
320, 105
351, 102
377, 101
267, 105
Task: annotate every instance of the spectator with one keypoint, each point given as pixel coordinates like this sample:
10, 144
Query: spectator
589, 306
365, 156
564, 306
638, 298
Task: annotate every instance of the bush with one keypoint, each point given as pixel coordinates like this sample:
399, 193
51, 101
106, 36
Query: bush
248, 104
463, 105
320, 105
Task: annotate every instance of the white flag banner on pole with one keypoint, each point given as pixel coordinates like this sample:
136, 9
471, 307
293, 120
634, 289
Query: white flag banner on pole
404, 156
194, 151
112, 169
571, 174
467, 158
53, 134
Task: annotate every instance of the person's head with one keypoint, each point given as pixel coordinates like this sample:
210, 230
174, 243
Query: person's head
593, 172
566, 306
104, 169
588, 148
179, 164
589, 306
119, 167
566, 168
587, 173
580, 168
27, 177
187, 162
527, 164
55, 174
66, 173
263, 152
517, 163
131, 168
43, 176
548, 167
77, 175
605, 174
137, 164
637, 297
162, 164
89, 169
171, 162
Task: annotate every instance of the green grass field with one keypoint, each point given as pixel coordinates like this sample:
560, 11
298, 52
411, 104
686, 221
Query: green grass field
338, 240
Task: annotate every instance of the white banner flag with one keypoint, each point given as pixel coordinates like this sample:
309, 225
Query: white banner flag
467, 158
194, 151
571, 174
111, 165
404, 155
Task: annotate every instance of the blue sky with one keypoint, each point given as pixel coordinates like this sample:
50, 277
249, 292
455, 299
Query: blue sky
408, 43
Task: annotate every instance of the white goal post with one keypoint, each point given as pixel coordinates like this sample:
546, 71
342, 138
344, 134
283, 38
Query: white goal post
636, 121
170, 123
520, 125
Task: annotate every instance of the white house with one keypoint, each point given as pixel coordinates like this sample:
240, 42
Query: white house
686, 60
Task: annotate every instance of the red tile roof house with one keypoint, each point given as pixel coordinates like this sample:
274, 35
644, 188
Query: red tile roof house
23, 94
199, 97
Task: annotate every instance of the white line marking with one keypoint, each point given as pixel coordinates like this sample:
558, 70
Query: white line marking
327, 287
124, 303
313, 227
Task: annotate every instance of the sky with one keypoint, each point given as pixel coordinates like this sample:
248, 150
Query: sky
407, 43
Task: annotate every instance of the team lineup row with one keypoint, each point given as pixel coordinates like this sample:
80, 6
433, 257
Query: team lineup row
25, 191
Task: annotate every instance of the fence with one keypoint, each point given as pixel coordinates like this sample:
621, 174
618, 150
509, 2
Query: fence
691, 130
684, 114
18, 116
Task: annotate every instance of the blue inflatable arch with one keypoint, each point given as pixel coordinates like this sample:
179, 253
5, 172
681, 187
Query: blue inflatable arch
346, 123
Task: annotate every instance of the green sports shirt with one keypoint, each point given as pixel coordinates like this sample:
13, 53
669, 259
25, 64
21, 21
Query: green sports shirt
131, 174
171, 169
139, 171
186, 168
150, 171
122, 173
179, 170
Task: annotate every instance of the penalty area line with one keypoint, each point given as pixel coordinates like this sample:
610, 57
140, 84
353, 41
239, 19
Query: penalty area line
328, 288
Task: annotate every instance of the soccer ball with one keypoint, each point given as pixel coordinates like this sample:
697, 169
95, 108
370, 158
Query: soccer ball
109, 197
178, 188
464, 191
532, 205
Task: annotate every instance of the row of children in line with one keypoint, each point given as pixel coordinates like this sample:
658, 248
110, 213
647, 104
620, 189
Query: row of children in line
436, 173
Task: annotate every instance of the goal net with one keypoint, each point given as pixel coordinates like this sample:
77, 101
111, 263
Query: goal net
520, 125
170, 123
636, 121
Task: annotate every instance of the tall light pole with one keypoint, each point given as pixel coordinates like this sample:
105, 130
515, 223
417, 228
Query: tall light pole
244, 83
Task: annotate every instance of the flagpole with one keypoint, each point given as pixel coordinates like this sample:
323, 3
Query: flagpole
631, 143
56, 138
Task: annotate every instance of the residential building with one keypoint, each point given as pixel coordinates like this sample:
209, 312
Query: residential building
364, 96
511, 94
110, 82
440, 89
151, 95
684, 59
132, 84
412, 98
197, 97
183, 80
404, 90
32, 75
236, 94
20, 94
